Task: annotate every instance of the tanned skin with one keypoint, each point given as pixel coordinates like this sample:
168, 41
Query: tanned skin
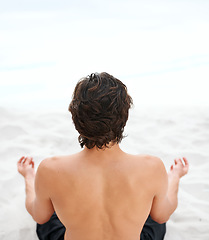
102, 194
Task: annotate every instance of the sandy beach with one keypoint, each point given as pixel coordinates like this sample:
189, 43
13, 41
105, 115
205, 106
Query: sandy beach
166, 133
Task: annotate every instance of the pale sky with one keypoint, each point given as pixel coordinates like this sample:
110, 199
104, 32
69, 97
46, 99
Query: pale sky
159, 49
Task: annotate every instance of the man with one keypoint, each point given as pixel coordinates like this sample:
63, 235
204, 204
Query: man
101, 193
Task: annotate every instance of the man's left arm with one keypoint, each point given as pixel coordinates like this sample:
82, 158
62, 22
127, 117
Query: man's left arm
37, 201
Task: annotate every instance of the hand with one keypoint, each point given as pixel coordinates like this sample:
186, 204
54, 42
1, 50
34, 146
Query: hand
180, 168
25, 167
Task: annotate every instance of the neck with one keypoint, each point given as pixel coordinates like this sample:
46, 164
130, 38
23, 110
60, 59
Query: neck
111, 149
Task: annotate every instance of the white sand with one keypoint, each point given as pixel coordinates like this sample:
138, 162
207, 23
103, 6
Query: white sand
166, 133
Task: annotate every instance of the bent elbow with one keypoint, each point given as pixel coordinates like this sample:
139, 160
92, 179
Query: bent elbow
160, 219
41, 220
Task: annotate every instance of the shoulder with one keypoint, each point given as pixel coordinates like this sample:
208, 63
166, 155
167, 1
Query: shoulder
149, 159
48, 168
157, 171
45, 168
55, 163
153, 163
48, 163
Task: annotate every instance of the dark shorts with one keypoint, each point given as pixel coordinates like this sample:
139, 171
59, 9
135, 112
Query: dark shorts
55, 230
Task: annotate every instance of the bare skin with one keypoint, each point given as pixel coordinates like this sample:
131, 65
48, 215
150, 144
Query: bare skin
102, 194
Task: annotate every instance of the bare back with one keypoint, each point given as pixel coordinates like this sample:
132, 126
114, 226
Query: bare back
100, 195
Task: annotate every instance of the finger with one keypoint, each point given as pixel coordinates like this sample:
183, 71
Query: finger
20, 161
175, 161
24, 160
32, 163
186, 163
28, 160
179, 161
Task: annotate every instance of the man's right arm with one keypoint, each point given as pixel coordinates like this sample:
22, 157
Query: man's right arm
166, 198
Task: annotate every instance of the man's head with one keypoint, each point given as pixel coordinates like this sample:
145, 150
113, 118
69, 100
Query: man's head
99, 110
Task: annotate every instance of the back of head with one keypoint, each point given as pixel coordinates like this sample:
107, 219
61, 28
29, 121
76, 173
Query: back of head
99, 110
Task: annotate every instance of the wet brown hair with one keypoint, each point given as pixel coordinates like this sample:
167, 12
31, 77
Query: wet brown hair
99, 110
